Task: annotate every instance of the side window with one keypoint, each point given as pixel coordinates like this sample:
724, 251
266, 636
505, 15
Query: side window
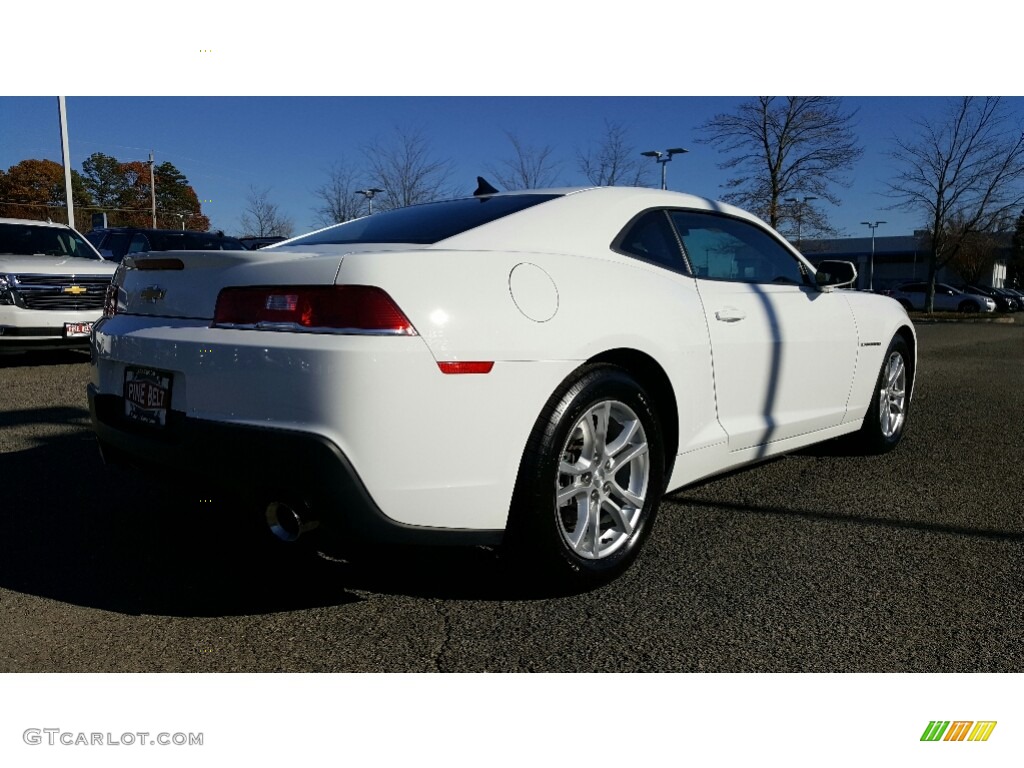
117, 244
139, 243
650, 237
723, 248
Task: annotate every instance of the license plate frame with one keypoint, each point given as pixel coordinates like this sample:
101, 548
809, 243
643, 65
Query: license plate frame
77, 330
147, 395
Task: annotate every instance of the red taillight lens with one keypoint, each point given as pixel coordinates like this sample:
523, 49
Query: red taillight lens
338, 308
466, 366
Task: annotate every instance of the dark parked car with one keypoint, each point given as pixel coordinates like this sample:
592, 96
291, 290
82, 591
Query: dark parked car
1018, 294
255, 243
117, 242
1004, 302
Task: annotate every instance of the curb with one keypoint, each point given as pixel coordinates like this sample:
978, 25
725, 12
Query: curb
926, 320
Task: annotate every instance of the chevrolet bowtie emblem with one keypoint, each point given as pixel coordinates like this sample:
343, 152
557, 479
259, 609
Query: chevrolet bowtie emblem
75, 290
152, 294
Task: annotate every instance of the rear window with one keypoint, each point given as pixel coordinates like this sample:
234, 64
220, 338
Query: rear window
27, 240
194, 241
423, 224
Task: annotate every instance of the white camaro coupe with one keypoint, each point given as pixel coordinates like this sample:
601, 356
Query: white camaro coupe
533, 369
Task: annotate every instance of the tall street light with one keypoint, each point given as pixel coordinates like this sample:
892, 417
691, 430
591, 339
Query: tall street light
662, 158
871, 264
801, 206
369, 194
62, 111
152, 185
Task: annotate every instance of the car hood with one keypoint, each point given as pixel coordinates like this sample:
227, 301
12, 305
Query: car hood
39, 264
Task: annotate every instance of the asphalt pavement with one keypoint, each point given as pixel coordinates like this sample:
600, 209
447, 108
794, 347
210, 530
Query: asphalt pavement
818, 561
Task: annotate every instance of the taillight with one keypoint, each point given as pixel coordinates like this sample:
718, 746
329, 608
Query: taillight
466, 366
330, 309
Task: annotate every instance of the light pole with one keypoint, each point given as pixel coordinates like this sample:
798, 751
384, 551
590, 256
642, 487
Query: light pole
800, 206
662, 158
369, 194
62, 111
871, 264
152, 185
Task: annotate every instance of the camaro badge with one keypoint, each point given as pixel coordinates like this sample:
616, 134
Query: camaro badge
75, 290
153, 294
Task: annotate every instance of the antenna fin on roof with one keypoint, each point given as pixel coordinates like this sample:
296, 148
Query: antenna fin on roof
483, 187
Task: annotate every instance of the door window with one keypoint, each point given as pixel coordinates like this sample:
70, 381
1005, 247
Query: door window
723, 248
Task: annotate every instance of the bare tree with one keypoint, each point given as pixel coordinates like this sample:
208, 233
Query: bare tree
964, 173
785, 147
614, 161
337, 196
529, 167
406, 170
262, 218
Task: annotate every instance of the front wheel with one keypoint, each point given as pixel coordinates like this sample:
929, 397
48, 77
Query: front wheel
590, 481
969, 306
886, 419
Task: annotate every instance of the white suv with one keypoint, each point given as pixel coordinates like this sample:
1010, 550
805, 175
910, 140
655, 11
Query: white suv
52, 285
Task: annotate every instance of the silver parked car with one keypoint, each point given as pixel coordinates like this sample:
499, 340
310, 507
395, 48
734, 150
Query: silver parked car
947, 298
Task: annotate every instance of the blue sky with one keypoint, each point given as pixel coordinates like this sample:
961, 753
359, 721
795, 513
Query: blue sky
225, 145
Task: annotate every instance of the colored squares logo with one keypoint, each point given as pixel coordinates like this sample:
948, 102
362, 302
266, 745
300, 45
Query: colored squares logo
958, 730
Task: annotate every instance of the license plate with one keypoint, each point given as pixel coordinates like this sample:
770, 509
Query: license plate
147, 395
77, 330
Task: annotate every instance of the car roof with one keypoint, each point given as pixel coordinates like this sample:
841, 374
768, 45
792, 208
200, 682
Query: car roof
581, 219
35, 222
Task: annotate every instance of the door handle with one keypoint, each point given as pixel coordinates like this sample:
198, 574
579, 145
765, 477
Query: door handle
730, 315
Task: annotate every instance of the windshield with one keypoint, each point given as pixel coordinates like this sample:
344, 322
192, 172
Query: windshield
422, 224
31, 239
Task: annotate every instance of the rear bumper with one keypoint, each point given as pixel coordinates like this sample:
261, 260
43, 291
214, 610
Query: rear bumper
267, 463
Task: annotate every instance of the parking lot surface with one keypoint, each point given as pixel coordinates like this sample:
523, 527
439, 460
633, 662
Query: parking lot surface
818, 561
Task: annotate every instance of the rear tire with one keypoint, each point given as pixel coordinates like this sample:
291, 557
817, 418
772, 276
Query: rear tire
590, 481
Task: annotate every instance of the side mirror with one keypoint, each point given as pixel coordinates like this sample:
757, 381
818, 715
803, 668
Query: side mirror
835, 274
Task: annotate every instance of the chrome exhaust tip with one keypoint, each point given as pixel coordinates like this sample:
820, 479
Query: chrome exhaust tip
289, 521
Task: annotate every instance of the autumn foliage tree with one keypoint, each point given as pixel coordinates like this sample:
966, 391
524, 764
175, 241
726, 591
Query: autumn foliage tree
35, 189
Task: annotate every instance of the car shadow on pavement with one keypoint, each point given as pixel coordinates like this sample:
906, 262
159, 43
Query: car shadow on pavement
79, 532
446, 573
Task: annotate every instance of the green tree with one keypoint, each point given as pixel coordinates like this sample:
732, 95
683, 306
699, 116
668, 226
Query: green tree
35, 189
104, 179
122, 191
